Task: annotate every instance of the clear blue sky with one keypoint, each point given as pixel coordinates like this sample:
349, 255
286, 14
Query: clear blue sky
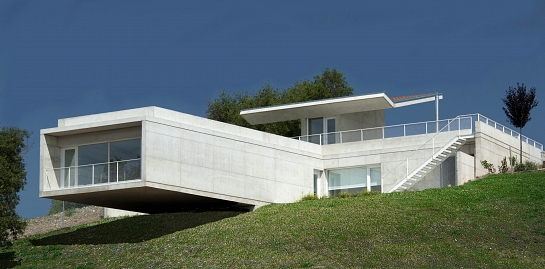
62, 59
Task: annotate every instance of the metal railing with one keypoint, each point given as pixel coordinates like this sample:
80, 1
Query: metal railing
410, 129
504, 129
400, 130
433, 146
93, 174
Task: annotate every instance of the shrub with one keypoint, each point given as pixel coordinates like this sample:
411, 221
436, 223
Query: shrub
488, 166
530, 166
520, 167
344, 195
526, 166
310, 196
503, 167
513, 161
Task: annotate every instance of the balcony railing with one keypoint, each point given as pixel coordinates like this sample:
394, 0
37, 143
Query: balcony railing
507, 130
464, 122
401, 130
93, 174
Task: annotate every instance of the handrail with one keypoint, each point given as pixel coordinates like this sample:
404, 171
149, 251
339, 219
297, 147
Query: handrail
505, 129
109, 172
383, 129
78, 166
338, 136
432, 139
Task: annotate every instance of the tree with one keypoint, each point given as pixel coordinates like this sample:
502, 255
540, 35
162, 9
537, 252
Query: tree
226, 108
518, 103
13, 144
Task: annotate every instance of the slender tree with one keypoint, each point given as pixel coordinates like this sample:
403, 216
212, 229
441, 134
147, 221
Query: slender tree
12, 179
518, 103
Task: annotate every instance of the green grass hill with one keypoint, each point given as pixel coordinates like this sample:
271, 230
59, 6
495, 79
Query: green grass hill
495, 222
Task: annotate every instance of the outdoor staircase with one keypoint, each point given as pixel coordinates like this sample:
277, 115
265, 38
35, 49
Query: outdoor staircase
430, 164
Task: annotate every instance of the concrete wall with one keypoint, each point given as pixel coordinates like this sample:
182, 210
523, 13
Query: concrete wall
443, 175
227, 166
361, 120
493, 145
112, 212
352, 121
465, 165
389, 153
193, 155
50, 157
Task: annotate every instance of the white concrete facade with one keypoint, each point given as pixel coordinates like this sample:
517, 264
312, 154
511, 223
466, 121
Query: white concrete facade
189, 162
185, 159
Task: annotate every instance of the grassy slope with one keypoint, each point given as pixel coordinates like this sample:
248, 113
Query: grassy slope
497, 222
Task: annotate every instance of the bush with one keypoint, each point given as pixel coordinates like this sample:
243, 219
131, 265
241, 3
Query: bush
503, 167
530, 166
488, 166
309, 196
344, 195
526, 166
513, 161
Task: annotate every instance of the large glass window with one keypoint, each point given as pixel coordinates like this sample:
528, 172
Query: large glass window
102, 163
125, 160
354, 180
92, 161
125, 150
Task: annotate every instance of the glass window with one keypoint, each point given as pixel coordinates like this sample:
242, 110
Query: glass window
125, 150
87, 156
331, 135
123, 154
354, 180
376, 184
102, 163
331, 125
315, 128
92, 154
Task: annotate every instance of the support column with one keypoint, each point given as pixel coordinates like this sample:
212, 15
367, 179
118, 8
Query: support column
437, 112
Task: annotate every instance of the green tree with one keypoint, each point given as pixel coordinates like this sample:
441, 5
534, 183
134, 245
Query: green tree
226, 108
13, 144
518, 103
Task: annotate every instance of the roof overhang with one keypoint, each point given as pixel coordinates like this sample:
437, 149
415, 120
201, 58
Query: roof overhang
416, 99
318, 108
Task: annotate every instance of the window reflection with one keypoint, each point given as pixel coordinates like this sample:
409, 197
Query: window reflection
103, 163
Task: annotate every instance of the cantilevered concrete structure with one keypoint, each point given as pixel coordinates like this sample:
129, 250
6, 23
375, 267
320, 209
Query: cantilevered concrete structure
155, 160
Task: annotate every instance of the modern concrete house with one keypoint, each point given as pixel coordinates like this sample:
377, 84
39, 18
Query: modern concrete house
155, 160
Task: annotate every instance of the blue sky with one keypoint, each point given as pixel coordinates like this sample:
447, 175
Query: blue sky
62, 59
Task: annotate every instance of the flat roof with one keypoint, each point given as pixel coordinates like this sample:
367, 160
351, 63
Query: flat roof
332, 106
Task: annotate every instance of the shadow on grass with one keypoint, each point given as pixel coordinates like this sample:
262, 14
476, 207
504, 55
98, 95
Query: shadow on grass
7, 260
134, 229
